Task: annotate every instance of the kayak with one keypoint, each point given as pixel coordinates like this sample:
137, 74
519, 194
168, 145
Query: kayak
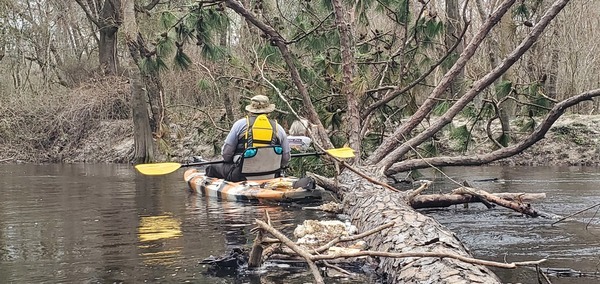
277, 189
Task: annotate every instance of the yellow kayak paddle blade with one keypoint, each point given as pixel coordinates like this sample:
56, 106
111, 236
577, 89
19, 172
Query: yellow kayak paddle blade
157, 168
344, 152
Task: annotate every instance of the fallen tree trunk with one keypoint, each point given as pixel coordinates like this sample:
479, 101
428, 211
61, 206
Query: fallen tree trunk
371, 205
520, 207
446, 200
313, 254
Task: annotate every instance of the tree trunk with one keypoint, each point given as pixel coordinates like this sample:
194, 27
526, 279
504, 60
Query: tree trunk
154, 87
446, 200
353, 125
507, 107
228, 104
155, 91
144, 149
109, 22
552, 72
453, 28
371, 206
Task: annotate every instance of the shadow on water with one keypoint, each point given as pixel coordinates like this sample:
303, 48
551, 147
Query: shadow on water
108, 224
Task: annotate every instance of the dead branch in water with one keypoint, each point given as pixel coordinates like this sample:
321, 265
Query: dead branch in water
257, 253
464, 194
524, 208
350, 238
446, 200
414, 193
576, 213
313, 256
296, 248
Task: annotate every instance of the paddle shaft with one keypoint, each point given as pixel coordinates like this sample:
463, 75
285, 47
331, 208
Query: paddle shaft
221, 161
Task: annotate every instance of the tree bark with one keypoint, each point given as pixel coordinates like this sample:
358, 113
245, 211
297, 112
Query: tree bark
144, 148
110, 20
2, 50
371, 206
153, 85
227, 103
446, 200
353, 125
452, 28
506, 107
552, 71
107, 20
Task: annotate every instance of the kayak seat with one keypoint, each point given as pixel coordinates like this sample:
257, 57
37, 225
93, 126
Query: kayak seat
259, 163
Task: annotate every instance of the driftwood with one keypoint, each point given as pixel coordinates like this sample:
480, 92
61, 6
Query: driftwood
524, 208
446, 200
255, 258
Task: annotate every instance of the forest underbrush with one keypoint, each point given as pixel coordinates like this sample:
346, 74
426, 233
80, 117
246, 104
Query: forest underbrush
92, 124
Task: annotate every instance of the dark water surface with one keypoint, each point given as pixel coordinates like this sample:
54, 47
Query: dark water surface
108, 224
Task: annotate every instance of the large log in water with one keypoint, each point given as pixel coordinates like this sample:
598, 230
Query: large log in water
371, 206
446, 200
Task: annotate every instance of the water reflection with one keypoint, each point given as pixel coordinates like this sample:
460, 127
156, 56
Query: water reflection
153, 229
235, 219
107, 224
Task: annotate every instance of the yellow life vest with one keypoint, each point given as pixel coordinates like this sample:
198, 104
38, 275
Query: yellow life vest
260, 131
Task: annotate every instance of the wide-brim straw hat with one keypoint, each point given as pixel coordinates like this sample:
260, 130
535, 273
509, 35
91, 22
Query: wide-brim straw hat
260, 104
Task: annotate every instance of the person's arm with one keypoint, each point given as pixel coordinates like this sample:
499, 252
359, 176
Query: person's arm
285, 145
228, 149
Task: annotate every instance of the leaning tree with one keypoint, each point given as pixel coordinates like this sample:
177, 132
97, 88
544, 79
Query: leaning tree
382, 77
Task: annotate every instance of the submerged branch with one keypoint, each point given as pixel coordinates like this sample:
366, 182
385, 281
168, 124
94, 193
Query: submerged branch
296, 248
351, 238
471, 260
576, 213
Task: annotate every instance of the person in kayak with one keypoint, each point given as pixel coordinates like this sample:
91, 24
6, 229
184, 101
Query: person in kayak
254, 131
298, 138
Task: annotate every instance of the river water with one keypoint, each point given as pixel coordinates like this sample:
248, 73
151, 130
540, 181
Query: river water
87, 223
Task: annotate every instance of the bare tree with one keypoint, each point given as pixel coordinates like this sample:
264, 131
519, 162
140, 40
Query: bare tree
107, 17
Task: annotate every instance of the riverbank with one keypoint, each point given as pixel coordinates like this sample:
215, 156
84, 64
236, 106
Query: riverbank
573, 140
